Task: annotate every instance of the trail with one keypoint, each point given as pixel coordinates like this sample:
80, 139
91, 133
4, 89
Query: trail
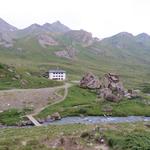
33, 120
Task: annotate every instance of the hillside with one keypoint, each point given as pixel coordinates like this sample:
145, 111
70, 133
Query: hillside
10, 78
38, 48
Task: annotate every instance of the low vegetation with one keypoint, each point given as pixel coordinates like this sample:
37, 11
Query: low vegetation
10, 79
121, 136
83, 101
116, 137
13, 116
145, 88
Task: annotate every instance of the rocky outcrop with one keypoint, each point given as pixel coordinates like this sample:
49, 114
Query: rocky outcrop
90, 81
45, 40
112, 88
130, 94
6, 34
69, 53
24, 123
56, 27
80, 36
6, 40
55, 116
109, 87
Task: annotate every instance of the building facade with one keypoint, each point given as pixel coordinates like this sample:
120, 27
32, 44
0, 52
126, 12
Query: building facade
59, 75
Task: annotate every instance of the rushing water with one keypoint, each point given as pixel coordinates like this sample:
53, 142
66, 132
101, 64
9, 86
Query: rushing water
90, 120
97, 120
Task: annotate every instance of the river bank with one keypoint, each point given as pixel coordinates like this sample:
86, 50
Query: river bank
89, 120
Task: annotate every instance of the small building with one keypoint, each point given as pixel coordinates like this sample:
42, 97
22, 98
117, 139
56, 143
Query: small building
57, 74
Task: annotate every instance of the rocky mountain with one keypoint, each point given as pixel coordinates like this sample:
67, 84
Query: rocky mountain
80, 36
126, 40
143, 39
32, 30
36, 29
56, 27
5, 27
6, 33
55, 44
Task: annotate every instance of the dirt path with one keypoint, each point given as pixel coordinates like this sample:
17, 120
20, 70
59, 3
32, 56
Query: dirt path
37, 99
29, 98
31, 116
66, 86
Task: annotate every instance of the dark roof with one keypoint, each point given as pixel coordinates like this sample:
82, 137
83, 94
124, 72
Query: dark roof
57, 70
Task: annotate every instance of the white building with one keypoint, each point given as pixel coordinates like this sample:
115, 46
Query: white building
57, 74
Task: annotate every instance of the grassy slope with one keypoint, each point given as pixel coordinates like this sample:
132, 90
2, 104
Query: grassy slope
118, 136
8, 79
13, 116
81, 101
33, 58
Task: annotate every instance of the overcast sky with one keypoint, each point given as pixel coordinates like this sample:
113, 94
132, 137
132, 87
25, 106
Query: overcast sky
101, 17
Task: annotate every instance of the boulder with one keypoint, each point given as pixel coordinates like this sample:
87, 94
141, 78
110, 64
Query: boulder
109, 87
24, 123
41, 120
55, 116
131, 94
24, 82
112, 88
17, 76
107, 94
90, 81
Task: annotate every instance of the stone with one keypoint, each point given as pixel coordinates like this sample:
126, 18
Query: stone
112, 88
27, 73
41, 120
90, 81
23, 82
17, 76
55, 116
131, 94
10, 70
24, 123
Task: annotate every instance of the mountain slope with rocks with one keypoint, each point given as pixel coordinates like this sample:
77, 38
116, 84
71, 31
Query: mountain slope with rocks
41, 47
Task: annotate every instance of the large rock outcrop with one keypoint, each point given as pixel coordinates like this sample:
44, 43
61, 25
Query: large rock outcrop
112, 88
109, 87
80, 36
69, 52
45, 40
90, 81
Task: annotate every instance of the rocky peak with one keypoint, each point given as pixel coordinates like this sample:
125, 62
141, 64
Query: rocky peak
121, 40
35, 26
47, 25
34, 29
56, 27
59, 27
123, 35
143, 37
5, 27
57, 23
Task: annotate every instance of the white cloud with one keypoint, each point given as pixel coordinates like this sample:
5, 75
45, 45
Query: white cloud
101, 17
